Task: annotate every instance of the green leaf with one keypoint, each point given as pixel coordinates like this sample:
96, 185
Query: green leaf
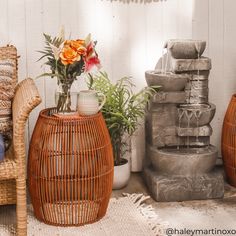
123, 107
49, 74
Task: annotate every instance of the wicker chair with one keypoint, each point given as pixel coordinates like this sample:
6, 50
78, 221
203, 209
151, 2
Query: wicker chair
13, 168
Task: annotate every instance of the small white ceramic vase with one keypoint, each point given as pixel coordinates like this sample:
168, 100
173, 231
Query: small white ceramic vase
121, 176
88, 102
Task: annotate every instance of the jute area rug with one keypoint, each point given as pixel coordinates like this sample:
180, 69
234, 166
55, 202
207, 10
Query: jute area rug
126, 216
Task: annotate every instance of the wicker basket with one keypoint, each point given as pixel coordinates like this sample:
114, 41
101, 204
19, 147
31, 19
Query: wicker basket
70, 169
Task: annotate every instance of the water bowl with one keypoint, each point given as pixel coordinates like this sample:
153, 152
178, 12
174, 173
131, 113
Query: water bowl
185, 48
183, 161
195, 115
168, 81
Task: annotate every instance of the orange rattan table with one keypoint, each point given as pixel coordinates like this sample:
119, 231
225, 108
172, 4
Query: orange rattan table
70, 168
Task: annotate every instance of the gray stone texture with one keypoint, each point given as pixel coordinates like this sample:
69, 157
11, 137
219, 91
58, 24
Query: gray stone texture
166, 188
197, 91
161, 136
192, 141
198, 75
161, 129
207, 112
166, 136
161, 125
179, 158
205, 130
187, 48
197, 96
169, 82
169, 97
194, 74
183, 65
182, 160
162, 115
196, 84
162, 62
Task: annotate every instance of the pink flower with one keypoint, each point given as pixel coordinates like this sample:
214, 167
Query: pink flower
91, 62
91, 57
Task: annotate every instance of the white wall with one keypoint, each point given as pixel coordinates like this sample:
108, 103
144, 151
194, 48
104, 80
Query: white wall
130, 38
215, 21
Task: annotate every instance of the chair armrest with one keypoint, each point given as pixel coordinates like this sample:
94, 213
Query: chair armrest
25, 100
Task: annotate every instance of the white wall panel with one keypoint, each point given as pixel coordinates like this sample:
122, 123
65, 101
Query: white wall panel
17, 36
121, 41
4, 23
216, 53
130, 35
170, 19
215, 22
137, 37
104, 24
51, 25
185, 16
201, 21
154, 33
35, 40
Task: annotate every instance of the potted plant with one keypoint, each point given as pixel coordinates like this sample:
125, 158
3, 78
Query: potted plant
122, 111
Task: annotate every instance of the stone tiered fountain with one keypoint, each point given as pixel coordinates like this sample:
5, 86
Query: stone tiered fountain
180, 159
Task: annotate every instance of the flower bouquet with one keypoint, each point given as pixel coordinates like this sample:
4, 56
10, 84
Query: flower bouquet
67, 60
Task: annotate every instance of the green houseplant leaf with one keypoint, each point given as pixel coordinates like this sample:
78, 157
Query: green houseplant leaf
123, 107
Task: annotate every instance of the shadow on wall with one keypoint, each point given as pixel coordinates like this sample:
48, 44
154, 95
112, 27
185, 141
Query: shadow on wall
136, 1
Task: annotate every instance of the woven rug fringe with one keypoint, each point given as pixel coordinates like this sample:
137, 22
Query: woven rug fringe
149, 216
148, 212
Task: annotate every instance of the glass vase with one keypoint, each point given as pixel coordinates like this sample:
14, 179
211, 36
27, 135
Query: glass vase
66, 98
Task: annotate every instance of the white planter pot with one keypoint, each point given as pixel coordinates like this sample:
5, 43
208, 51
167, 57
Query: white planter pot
121, 175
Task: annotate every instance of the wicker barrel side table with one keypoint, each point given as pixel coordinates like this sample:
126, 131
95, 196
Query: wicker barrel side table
228, 142
70, 169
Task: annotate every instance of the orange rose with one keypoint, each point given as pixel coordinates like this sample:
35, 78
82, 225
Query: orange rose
68, 55
67, 42
78, 45
82, 50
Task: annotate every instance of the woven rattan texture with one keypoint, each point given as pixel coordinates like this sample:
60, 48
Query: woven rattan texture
8, 81
70, 169
12, 169
228, 142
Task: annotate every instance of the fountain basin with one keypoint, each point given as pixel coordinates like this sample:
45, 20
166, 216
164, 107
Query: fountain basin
195, 115
185, 48
183, 161
168, 81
